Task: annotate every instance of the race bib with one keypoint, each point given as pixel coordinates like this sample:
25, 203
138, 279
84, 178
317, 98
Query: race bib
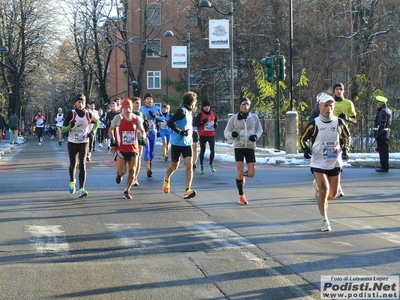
330, 150
128, 137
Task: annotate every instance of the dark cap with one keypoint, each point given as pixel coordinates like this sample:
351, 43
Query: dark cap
205, 103
147, 95
341, 85
80, 97
243, 100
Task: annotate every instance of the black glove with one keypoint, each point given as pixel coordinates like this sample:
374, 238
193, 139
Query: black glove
253, 138
72, 123
234, 134
152, 114
204, 121
343, 116
113, 143
345, 155
141, 141
184, 132
307, 153
158, 134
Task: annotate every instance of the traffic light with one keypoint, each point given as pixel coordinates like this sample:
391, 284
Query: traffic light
269, 71
282, 70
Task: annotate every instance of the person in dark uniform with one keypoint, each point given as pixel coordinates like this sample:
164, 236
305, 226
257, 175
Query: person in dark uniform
383, 120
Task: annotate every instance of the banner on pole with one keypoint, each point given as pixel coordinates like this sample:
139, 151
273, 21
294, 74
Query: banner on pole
179, 57
218, 34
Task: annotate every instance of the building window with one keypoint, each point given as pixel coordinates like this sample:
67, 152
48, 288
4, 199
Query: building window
155, 45
192, 16
154, 80
153, 15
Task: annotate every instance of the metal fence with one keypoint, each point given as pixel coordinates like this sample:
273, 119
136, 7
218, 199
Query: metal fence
362, 134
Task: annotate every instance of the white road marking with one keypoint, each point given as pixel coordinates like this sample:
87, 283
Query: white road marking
49, 239
129, 235
216, 236
379, 233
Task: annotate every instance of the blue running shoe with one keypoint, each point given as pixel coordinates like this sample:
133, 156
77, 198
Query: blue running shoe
72, 187
82, 193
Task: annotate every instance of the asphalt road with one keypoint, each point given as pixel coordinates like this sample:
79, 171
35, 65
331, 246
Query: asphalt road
157, 246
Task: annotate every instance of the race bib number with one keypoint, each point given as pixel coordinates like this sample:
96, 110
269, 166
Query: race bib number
209, 126
128, 137
330, 150
80, 135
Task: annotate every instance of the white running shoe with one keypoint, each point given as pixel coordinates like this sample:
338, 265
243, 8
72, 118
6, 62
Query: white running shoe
325, 225
340, 192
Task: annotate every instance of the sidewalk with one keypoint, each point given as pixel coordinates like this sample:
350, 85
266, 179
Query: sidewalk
6, 147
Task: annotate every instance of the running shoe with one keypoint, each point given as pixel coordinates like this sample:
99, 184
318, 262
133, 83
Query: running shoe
149, 173
135, 182
166, 186
243, 200
212, 168
40, 143
201, 170
118, 179
166, 157
189, 194
194, 167
316, 189
340, 192
72, 187
325, 225
82, 193
60, 143
127, 195
89, 157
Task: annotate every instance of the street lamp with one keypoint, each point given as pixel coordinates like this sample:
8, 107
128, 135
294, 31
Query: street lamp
151, 51
3, 48
208, 4
170, 33
134, 82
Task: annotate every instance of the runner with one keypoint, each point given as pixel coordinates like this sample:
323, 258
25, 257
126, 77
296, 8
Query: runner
59, 123
181, 143
326, 152
244, 128
77, 123
123, 133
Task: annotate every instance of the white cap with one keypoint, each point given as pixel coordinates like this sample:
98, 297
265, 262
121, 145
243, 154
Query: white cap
324, 97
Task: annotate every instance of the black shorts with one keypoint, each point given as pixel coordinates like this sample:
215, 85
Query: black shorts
245, 153
176, 152
125, 155
195, 136
334, 172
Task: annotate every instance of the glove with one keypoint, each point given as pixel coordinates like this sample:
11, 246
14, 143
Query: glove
343, 116
345, 155
253, 138
307, 153
141, 141
205, 121
184, 132
234, 134
152, 114
113, 143
72, 123
158, 134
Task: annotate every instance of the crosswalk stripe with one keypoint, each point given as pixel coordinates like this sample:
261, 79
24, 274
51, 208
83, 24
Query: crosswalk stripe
49, 239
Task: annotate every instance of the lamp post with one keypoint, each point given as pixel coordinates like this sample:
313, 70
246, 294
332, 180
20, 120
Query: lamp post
149, 50
170, 33
124, 66
208, 4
